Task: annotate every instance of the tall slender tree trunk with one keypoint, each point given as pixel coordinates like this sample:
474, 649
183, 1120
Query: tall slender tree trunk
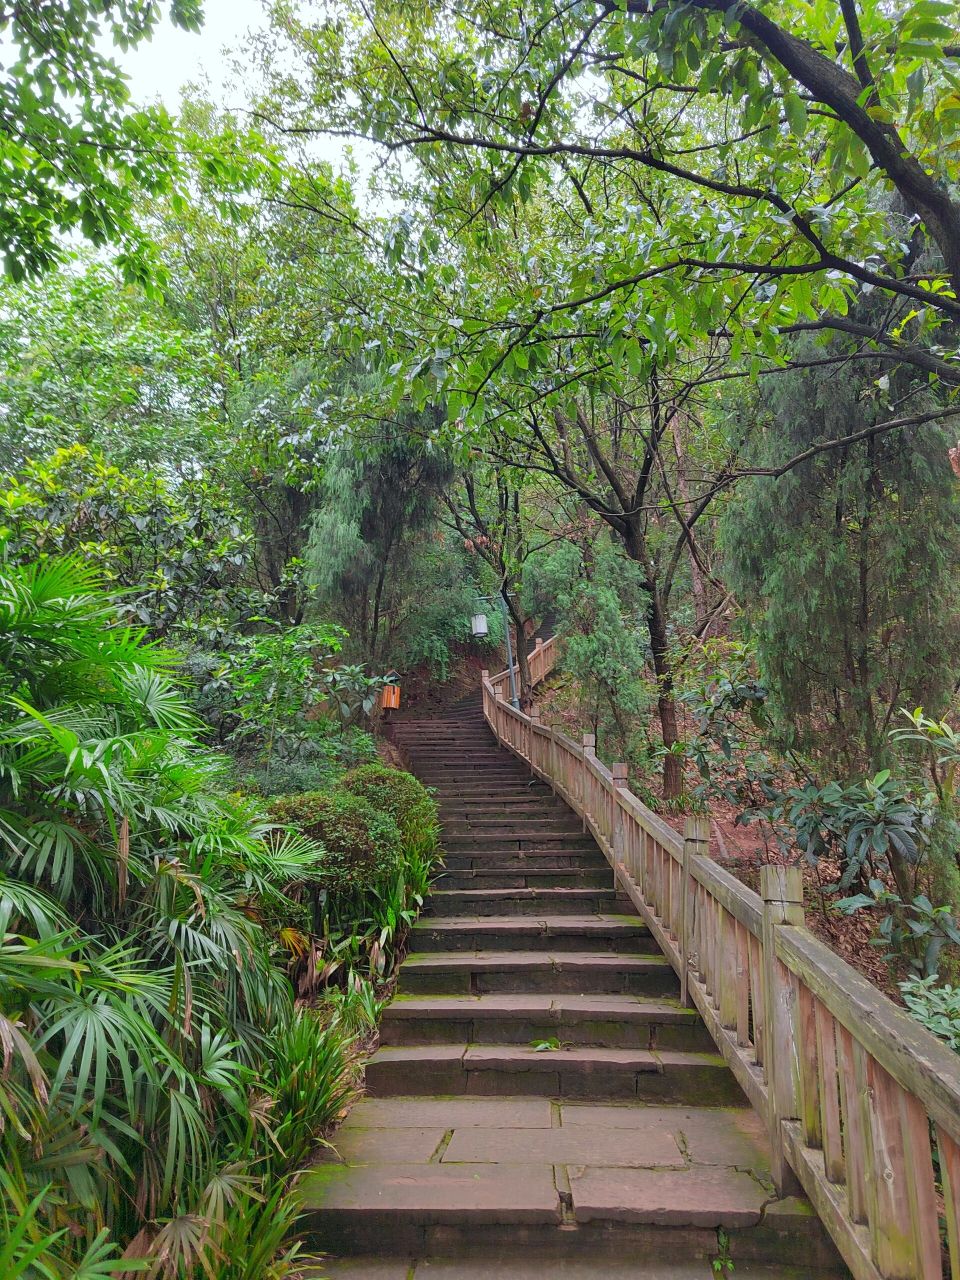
666, 697
696, 574
636, 548
525, 684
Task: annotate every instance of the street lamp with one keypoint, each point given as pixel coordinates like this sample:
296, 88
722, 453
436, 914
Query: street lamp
478, 625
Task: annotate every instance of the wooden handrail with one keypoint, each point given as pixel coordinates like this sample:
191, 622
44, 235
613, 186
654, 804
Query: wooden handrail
858, 1097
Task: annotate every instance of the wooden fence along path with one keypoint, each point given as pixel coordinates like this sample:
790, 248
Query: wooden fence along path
861, 1102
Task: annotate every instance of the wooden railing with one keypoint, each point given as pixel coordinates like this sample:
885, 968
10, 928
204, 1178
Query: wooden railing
862, 1104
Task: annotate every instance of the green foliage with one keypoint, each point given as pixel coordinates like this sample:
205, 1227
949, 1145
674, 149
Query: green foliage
860, 825
351, 692
850, 564
356, 1006
404, 798
178, 551
443, 599
274, 680
85, 360
377, 515
140, 998
914, 931
598, 599
306, 1075
78, 153
328, 752
362, 846
936, 1006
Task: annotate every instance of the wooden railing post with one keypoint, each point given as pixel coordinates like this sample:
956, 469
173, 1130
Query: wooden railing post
589, 752
696, 840
531, 736
781, 889
619, 772
536, 661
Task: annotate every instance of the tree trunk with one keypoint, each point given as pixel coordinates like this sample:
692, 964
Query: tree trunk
696, 573
666, 698
525, 684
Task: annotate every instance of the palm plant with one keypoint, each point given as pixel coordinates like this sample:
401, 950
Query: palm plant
141, 1000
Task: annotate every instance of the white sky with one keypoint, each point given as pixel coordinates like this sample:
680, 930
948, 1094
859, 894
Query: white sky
160, 67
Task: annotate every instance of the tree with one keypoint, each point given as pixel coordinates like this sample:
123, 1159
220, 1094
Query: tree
87, 360
75, 153
759, 183
374, 510
848, 564
491, 508
177, 550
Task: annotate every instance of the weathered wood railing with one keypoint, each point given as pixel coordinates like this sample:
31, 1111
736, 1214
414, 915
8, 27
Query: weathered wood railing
861, 1102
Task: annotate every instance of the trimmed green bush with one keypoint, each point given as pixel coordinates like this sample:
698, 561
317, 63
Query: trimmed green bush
403, 797
363, 844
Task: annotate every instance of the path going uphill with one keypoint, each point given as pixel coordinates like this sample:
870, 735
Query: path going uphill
540, 1100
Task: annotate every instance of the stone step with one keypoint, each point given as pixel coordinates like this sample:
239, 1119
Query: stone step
498, 843
646, 973
608, 932
610, 1021
497, 1265
511, 1181
647, 1075
526, 860
520, 878
522, 782
513, 825
519, 902
455, 768
526, 808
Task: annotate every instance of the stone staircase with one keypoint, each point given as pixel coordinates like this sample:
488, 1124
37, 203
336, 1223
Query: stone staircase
540, 1099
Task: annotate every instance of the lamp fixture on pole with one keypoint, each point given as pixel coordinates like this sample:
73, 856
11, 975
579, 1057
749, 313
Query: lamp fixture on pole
478, 625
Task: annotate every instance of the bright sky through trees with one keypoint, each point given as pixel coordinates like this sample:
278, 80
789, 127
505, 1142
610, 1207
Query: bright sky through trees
173, 58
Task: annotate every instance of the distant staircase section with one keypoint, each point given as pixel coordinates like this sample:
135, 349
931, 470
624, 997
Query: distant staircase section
541, 1101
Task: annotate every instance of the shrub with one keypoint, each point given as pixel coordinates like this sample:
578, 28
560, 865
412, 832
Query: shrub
403, 797
363, 845
307, 1076
936, 1006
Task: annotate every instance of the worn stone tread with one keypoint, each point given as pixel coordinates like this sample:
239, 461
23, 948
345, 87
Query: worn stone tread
436, 1193
702, 1196
545, 926
558, 1008
639, 1268
498, 960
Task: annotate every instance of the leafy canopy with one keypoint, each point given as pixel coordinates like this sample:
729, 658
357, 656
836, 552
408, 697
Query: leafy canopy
75, 153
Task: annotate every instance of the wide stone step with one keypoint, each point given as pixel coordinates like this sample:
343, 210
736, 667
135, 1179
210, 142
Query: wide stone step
518, 902
513, 826
550, 933
509, 1182
661, 1075
460, 809
490, 775
503, 844
519, 878
526, 860
535, 1265
610, 1021
646, 973
455, 760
